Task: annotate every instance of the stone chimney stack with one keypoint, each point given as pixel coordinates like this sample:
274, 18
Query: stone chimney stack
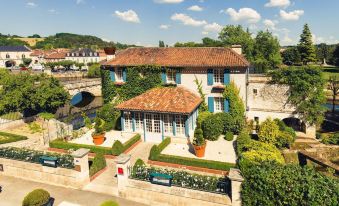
237, 49
110, 52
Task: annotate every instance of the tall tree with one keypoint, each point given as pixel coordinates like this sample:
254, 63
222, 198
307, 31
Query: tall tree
161, 44
335, 55
323, 52
232, 35
291, 56
266, 51
306, 47
333, 85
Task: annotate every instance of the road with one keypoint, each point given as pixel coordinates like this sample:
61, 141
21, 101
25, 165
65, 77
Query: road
14, 191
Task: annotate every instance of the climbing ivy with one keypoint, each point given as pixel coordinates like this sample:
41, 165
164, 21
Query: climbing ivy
139, 80
237, 108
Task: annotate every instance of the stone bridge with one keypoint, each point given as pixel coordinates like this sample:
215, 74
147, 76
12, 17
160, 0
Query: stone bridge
92, 86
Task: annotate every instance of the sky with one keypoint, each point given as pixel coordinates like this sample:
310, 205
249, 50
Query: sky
145, 22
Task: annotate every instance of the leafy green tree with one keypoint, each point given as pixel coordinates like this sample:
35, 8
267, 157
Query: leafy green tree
266, 51
335, 55
333, 86
26, 61
94, 71
208, 42
306, 47
236, 35
306, 91
161, 44
10, 41
323, 52
291, 56
35, 36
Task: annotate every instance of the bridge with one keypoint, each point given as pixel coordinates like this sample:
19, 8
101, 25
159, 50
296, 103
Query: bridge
92, 86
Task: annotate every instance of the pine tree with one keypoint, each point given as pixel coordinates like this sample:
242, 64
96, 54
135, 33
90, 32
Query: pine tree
161, 44
306, 47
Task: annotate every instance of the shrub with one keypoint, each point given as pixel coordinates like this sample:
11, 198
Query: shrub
110, 115
37, 197
60, 144
99, 126
213, 127
7, 137
157, 149
276, 184
99, 163
285, 139
198, 137
94, 71
229, 136
117, 148
331, 139
261, 152
109, 203
201, 118
268, 131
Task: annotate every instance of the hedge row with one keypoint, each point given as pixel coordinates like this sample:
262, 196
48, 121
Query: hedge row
155, 155
10, 138
99, 163
115, 150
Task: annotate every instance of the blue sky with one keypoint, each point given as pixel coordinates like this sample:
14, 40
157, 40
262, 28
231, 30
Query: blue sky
145, 22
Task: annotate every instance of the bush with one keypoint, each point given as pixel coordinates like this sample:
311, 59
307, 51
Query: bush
109, 203
99, 163
198, 137
275, 184
117, 148
157, 149
7, 137
94, 71
99, 126
331, 139
213, 127
260, 152
202, 117
268, 131
285, 139
60, 144
37, 197
229, 136
110, 115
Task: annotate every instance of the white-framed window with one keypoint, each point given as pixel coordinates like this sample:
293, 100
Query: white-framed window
156, 123
139, 122
23, 56
219, 104
128, 121
218, 75
168, 123
153, 123
118, 74
171, 76
180, 124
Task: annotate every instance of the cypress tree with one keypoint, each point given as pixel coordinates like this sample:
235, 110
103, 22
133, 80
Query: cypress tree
305, 46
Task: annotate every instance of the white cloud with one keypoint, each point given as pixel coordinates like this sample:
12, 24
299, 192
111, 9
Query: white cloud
244, 14
195, 8
278, 3
164, 26
168, 1
80, 1
291, 16
53, 11
269, 24
31, 5
187, 20
129, 16
214, 27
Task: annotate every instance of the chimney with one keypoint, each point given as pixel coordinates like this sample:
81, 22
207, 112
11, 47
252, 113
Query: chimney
237, 49
110, 52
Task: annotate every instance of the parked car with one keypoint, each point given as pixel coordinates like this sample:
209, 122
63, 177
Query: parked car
37, 67
23, 69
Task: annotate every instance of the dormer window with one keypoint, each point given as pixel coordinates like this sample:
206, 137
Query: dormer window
171, 76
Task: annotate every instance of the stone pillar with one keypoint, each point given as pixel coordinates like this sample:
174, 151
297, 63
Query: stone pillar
122, 169
81, 162
236, 180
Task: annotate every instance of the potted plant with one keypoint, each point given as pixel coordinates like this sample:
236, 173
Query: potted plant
199, 143
99, 134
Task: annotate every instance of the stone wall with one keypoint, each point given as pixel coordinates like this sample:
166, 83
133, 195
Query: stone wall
151, 194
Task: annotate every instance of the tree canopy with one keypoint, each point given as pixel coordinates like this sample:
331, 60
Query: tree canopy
30, 94
306, 47
306, 91
291, 56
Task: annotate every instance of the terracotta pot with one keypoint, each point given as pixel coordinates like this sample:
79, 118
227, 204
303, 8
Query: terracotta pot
199, 150
98, 139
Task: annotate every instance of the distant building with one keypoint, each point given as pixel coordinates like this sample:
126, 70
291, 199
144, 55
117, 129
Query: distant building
13, 55
56, 55
84, 55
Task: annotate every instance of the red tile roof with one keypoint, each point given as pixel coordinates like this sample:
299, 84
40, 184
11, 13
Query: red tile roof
180, 57
163, 100
56, 55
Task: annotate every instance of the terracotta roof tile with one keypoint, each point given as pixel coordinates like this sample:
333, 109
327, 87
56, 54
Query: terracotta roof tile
164, 100
180, 57
56, 55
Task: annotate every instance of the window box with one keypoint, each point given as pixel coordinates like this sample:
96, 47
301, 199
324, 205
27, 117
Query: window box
218, 88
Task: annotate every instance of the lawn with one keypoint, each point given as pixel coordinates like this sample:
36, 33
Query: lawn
7, 138
330, 71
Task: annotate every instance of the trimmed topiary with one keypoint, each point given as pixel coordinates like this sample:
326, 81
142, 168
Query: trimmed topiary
229, 136
109, 203
37, 197
99, 163
117, 148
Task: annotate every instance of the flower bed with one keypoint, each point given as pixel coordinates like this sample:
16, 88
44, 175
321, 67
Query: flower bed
7, 138
27, 155
155, 155
61, 144
184, 179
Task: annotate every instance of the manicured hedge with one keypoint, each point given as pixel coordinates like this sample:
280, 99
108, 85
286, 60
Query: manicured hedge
99, 163
60, 144
155, 155
11, 138
36, 198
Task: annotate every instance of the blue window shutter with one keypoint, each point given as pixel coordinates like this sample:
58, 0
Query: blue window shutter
211, 104
187, 127
122, 118
112, 74
227, 78
210, 77
226, 105
124, 74
178, 77
164, 76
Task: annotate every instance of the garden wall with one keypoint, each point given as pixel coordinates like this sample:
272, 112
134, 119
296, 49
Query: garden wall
151, 194
15, 123
36, 172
